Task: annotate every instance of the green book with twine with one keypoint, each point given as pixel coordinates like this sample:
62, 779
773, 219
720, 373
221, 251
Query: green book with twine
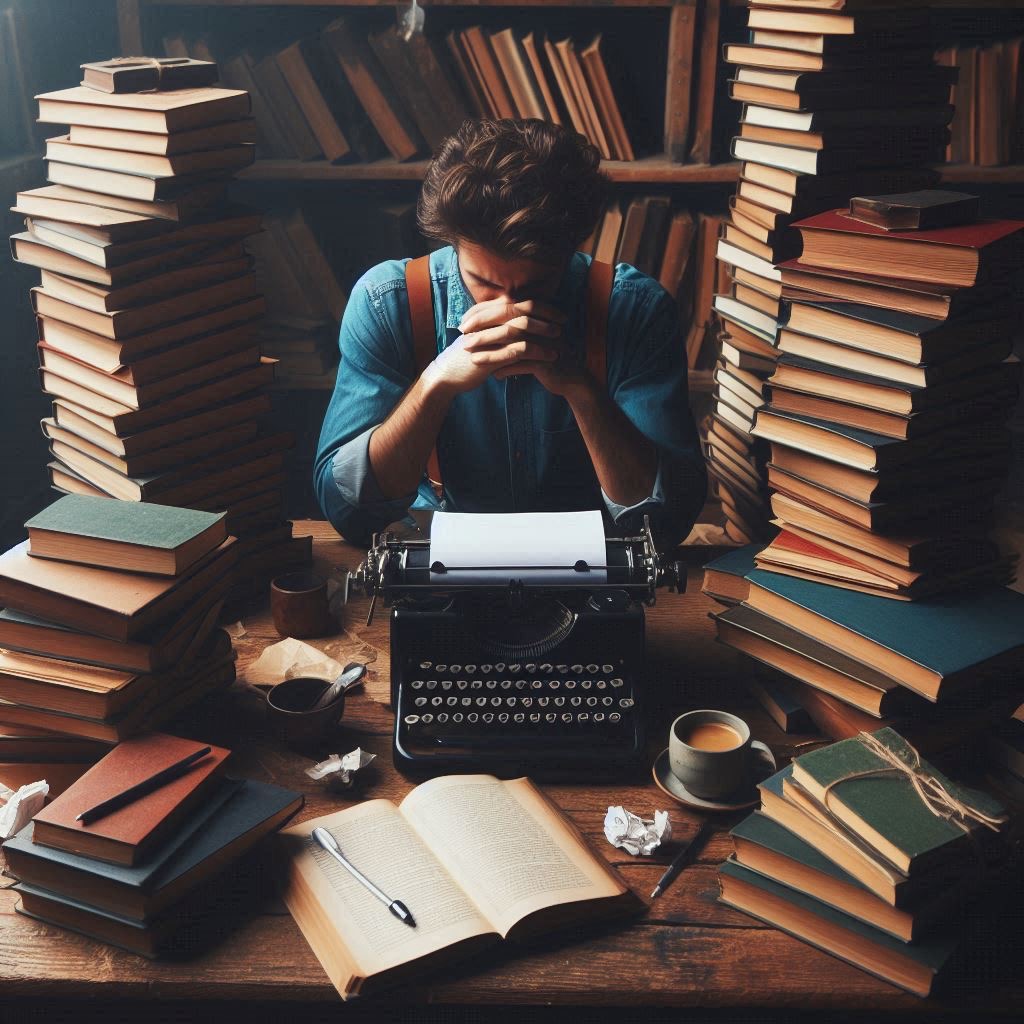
879, 787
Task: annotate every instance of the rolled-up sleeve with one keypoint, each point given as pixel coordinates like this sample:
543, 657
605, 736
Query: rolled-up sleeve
374, 373
649, 383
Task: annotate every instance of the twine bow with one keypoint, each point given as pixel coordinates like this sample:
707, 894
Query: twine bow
156, 62
931, 790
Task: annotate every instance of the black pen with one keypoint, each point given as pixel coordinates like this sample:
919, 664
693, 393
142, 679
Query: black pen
330, 844
682, 858
169, 774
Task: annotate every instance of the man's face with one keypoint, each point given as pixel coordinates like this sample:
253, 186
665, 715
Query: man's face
487, 276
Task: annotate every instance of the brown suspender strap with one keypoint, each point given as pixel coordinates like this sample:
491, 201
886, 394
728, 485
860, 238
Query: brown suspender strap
424, 336
595, 318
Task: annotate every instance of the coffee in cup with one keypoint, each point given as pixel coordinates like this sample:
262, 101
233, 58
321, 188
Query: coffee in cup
711, 753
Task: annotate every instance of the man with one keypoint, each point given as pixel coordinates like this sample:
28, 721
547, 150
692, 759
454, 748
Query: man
519, 423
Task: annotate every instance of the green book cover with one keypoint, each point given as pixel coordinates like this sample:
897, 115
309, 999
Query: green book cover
817, 923
888, 813
127, 522
946, 634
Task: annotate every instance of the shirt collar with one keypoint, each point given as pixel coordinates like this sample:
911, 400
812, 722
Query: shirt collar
459, 300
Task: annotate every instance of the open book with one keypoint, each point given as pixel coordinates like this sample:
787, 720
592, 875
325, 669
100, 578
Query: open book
473, 858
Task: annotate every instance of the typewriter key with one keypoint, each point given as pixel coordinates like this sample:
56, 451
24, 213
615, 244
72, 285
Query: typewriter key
601, 684
431, 684
442, 719
570, 684
455, 669
487, 717
598, 716
535, 717
542, 702
427, 719
529, 668
567, 717
437, 701
426, 665
499, 667
514, 668
615, 718
491, 684
562, 669
417, 684
476, 684
607, 701
593, 669
626, 703
607, 669
440, 668
472, 718
521, 684
575, 701
446, 684
481, 702
470, 669
506, 684
586, 684
486, 669
411, 719
617, 682
591, 702
496, 702
527, 702
577, 670
583, 717
558, 701
537, 684
420, 702
461, 683
551, 718
503, 718
510, 702
546, 668
555, 684
467, 702
457, 718
519, 717
452, 702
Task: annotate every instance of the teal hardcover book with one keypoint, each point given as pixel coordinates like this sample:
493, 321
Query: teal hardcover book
926, 645
913, 966
725, 576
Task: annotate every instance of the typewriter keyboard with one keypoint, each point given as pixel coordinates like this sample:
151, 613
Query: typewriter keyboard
520, 712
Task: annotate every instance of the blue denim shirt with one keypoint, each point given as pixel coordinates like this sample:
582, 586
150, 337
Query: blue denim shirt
509, 445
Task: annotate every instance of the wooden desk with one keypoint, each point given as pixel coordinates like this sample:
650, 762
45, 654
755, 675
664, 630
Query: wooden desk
689, 951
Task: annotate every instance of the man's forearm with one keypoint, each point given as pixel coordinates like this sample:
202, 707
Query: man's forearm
400, 446
626, 462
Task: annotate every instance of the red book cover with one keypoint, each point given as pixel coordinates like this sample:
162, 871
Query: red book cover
967, 236
124, 836
790, 542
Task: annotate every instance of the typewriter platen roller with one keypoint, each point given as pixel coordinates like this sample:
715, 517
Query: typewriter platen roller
516, 676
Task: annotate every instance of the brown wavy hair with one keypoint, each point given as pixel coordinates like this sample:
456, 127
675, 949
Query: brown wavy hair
521, 189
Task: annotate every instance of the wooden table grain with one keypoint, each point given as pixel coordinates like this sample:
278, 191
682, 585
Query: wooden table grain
687, 952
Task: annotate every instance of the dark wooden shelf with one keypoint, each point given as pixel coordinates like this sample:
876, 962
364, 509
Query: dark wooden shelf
649, 170
1005, 175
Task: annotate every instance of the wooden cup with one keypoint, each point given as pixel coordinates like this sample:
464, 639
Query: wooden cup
298, 602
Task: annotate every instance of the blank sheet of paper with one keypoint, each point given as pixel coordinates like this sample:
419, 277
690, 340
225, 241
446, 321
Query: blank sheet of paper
537, 547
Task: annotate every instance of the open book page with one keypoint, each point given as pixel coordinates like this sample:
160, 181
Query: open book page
376, 839
510, 849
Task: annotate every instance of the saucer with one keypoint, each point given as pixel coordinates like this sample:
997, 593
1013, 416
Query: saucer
746, 797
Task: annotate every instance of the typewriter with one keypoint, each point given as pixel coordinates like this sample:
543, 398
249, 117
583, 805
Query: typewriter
516, 676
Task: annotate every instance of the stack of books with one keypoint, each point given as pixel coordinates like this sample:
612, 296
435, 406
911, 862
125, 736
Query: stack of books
348, 93
149, 311
148, 876
847, 855
885, 413
836, 102
109, 624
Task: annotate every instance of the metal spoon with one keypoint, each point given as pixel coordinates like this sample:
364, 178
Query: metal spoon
350, 675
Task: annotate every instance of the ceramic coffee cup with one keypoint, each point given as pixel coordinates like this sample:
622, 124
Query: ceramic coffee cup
298, 602
711, 753
291, 715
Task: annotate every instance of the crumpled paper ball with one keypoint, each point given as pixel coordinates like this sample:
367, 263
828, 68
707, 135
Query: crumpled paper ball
340, 772
21, 806
637, 836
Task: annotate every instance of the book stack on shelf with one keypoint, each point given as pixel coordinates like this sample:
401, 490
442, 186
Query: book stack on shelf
157, 874
886, 425
352, 93
109, 619
988, 126
836, 101
864, 850
149, 311
305, 302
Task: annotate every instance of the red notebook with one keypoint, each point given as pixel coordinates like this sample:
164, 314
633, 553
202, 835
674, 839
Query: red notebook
129, 834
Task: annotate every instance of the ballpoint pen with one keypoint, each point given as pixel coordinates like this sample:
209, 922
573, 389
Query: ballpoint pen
330, 844
682, 858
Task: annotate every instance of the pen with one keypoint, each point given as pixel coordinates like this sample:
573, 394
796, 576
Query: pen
330, 844
682, 858
168, 774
